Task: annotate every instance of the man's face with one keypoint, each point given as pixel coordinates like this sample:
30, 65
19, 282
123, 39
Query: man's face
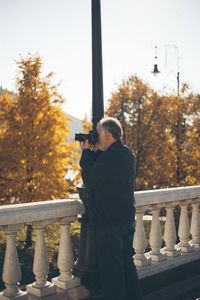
103, 138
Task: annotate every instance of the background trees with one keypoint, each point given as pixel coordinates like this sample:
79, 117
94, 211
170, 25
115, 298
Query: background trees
163, 131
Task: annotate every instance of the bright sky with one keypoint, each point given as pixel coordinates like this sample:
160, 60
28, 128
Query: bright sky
60, 32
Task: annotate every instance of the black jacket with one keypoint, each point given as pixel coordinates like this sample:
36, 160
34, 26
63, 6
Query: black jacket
110, 177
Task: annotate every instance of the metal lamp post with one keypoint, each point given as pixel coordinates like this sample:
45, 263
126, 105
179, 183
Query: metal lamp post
155, 69
178, 125
86, 267
178, 128
97, 74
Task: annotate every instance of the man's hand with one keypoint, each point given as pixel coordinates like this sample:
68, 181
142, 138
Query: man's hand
94, 147
86, 145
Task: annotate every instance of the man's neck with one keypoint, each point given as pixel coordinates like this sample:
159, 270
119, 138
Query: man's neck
109, 144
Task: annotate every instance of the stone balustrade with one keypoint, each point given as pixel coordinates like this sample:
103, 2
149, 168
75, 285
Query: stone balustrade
164, 252
40, 215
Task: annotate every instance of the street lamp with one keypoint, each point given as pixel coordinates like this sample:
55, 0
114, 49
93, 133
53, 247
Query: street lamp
156, 71
178, 122
97, 73
86, 265
155, 68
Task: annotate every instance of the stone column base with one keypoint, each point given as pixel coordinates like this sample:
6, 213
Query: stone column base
195, 245
172, 253
71, 283
48, 289
144, 261
186, 249
21, 296
157, 257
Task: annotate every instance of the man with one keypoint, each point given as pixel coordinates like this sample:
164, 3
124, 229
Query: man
108, 171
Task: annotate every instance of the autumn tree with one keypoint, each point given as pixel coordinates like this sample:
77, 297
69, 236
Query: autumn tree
157, 128
191, 150
136, 105
180, 116
74, 174
33, 132
87, 125
33, 144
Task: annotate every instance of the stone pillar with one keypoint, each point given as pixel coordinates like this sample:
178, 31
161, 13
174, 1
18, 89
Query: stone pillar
195, 226
41, 287
139, 242
65, 258
11, 268
184, 231
65, 263
170, 233
155, 238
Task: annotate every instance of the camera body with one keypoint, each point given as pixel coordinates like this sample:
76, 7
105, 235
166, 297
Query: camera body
92, 137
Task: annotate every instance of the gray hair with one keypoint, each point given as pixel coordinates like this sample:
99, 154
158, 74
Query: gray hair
112, 125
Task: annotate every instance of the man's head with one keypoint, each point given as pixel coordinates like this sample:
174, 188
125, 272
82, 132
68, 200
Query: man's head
109, 130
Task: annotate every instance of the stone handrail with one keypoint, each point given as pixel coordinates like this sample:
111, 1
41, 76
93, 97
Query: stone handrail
161, 196
39, 211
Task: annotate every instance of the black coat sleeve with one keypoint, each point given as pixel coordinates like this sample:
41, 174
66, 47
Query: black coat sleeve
96, 168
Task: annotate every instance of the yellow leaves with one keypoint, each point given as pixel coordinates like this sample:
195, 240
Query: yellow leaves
72, 176
161, 131
34, 153
6, 102
87, 126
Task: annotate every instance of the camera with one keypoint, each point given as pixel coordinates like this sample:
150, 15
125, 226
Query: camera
92, 137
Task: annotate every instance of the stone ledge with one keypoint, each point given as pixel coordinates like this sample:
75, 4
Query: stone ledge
173, 283
167, 264
78, 293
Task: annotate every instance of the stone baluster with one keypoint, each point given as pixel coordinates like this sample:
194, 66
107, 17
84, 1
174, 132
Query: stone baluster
11, 268
195, 225
155, 238
65, 263
184, 230
41, 287
139, 241
170, 233
65, 258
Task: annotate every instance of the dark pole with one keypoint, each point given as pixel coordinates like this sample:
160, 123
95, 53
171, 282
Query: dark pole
178, 83
85, 266
97, 74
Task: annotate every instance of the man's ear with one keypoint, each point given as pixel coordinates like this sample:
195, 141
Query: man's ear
108, 135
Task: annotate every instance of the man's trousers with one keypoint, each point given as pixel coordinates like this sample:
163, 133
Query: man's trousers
118, 274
